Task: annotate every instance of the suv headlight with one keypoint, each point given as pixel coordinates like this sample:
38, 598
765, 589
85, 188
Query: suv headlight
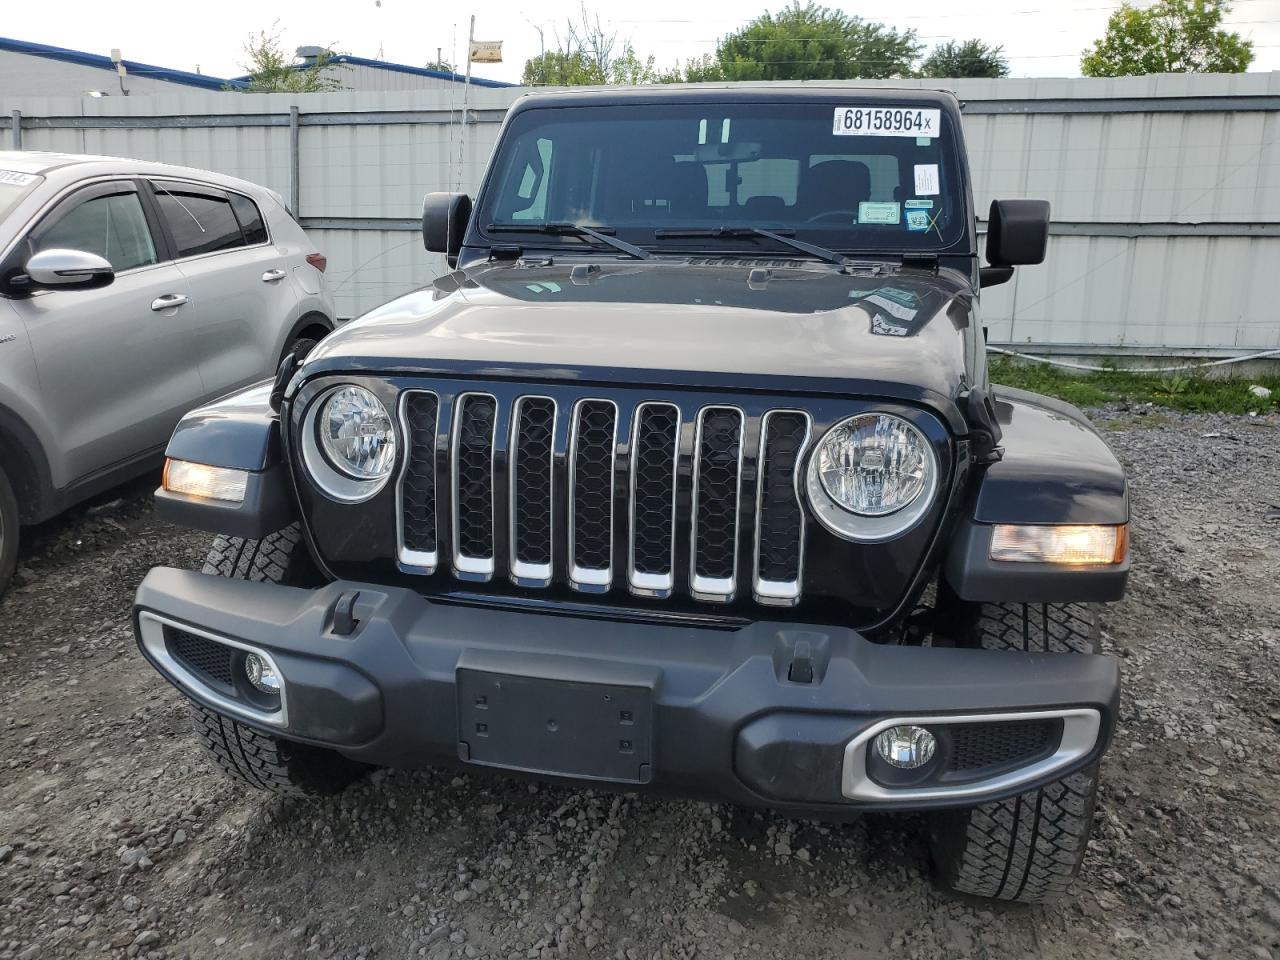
349, 443
872, 477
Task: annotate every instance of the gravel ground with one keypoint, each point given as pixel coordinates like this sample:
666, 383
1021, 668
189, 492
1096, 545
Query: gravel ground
117, 838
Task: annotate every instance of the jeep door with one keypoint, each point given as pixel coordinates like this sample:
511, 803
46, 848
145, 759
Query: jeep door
117, 366
239, 280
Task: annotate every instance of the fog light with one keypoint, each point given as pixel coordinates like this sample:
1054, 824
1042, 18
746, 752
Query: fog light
202, 480
260, 674
907, 747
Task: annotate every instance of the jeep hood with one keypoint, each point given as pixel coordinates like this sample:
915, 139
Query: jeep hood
784, 325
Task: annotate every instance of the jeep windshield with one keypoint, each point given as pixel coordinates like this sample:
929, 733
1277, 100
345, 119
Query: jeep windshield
853, 175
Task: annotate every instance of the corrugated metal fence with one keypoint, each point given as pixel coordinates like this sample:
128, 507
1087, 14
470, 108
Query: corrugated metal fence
1165, 190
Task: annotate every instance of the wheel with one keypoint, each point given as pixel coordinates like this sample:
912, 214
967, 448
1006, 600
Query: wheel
299, 348
248, 755
1027, 848
8, 531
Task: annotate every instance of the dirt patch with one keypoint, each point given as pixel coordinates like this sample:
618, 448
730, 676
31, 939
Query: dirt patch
117, 838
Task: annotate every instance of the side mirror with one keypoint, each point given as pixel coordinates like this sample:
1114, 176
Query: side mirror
444, 222
1017, 232
69, 268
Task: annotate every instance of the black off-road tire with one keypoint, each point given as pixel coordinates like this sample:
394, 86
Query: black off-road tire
269, 763
254, 758
281, 557
8, 531
1027, 848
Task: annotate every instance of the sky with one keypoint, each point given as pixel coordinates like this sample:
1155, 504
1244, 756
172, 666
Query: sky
1041, 38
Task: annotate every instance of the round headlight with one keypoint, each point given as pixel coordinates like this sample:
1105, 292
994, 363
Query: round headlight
874, 464
356, 434
872, 477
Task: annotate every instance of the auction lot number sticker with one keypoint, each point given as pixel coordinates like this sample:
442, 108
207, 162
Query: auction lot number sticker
887, 122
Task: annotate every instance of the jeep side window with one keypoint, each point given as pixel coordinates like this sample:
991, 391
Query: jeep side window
114, 227
533, 184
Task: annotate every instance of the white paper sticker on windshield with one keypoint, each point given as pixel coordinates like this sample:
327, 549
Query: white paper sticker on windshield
16, 178
887, 122
926, 179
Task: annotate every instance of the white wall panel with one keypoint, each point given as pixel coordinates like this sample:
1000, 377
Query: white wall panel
1163, 159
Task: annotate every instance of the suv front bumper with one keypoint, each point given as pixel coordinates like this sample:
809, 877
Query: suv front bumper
771, 714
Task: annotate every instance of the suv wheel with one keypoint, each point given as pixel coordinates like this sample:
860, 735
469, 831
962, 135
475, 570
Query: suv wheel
8, 531
1027, 848
244, 753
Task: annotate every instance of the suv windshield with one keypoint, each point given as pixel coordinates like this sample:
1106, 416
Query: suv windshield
13, 187
855, 175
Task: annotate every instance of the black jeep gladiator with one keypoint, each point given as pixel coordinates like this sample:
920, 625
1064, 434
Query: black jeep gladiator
688, 476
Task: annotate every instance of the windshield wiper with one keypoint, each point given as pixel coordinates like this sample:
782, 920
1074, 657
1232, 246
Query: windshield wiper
785, 237
572, 230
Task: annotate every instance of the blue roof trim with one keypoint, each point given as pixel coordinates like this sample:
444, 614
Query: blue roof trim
135, 68
402, 68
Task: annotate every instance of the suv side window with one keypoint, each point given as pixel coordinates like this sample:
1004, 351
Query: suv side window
250, 217
200, 219
114, 227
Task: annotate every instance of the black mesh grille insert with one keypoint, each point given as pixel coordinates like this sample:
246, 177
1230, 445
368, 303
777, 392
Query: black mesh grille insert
532, 480
593, 484
206, 658
419, 515
780, 516
978, 745
657, 432
475, 476
715, 525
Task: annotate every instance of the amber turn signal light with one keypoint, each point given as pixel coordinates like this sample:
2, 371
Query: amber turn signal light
1068, 544
202, 480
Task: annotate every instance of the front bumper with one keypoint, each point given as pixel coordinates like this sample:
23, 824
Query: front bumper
771, 714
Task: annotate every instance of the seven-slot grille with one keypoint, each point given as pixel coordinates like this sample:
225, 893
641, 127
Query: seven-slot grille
619, 479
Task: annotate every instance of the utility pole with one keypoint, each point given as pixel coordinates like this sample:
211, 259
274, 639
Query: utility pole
471, 38
466, 88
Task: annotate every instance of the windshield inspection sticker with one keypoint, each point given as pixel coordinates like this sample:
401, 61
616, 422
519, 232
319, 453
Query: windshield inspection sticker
883, 212
918, 214
927, 179
16, 179
886, 122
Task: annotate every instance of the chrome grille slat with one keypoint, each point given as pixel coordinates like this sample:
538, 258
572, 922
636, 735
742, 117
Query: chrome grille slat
471, 466
418, 548
717, 490
592, 461
779, 526
655, 456
559, 482
532, 490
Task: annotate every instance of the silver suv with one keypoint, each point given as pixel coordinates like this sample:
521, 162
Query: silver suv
131, 292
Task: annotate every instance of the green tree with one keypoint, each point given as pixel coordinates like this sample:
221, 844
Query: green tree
1171, 36
973, 58
589, 55
809, 43
271, 70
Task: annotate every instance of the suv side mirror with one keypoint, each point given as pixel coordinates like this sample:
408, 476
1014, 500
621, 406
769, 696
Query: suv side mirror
444, 221
69, 268
1017, 232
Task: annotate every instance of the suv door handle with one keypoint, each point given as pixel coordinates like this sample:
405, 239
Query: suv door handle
271, 276
169, 300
